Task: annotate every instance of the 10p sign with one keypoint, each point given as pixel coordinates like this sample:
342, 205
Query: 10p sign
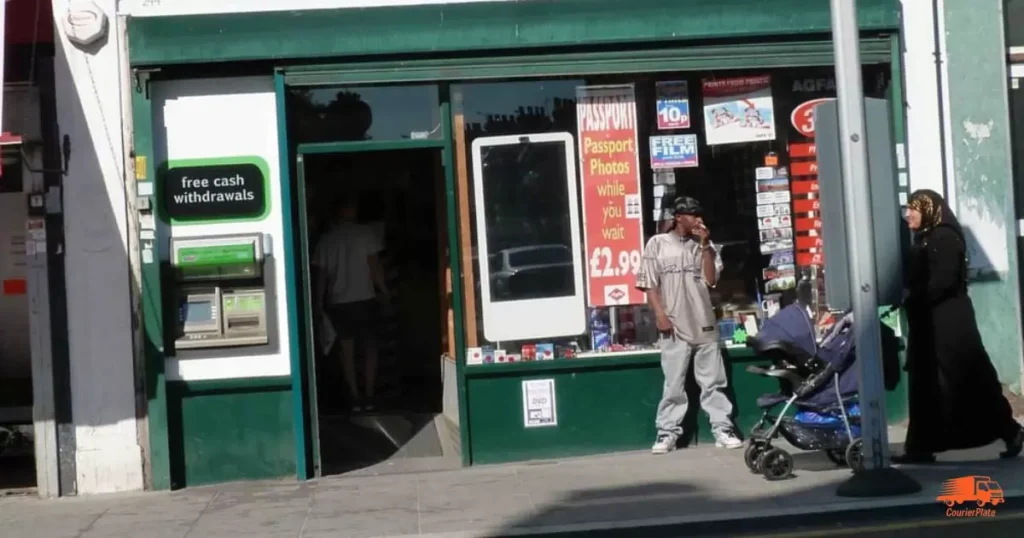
673, 104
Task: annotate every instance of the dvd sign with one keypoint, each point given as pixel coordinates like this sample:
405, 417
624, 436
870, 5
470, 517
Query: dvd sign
802, 117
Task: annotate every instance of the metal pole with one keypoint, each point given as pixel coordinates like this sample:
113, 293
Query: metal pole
859, 232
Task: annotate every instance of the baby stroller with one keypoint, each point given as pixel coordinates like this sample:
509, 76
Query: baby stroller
818, 381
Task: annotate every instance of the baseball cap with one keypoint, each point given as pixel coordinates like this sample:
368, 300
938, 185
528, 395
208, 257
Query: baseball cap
684, 205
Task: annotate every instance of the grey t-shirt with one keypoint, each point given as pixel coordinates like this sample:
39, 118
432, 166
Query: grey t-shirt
674, 265
343, 255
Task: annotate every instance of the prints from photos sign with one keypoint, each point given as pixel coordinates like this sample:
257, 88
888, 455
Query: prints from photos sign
738, 110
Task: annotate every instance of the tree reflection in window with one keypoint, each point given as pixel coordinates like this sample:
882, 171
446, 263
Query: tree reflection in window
358, 113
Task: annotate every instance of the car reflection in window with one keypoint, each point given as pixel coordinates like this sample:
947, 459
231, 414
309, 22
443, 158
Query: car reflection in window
531, 272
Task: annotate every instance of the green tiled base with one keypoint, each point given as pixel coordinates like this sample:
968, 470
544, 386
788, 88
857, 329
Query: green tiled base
603, 405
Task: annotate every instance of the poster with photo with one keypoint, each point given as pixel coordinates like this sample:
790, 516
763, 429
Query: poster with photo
738, 110
776, 245
773, 185
782, 258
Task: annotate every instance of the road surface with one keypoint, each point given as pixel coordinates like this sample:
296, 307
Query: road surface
926, 521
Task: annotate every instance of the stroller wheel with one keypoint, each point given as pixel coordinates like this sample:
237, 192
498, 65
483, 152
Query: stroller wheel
855, 455
837, 456
776, 464
753, 453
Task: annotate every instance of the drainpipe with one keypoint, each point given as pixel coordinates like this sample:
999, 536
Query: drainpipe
945, 127
134, 262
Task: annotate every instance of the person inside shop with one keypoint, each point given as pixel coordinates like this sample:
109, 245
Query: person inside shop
956, 400
351, 282
679, 266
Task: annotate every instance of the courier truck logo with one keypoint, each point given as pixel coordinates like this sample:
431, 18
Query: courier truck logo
979, 490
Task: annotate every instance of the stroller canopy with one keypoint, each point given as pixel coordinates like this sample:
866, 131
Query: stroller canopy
793, 325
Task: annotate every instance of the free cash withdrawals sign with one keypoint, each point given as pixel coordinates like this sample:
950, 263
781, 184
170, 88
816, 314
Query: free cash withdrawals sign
610, 188
216, 189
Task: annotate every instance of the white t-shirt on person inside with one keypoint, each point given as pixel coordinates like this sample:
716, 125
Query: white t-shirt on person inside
343, 254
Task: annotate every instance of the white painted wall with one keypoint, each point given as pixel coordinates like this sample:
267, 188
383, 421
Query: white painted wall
98, 289
924, 142
928, 115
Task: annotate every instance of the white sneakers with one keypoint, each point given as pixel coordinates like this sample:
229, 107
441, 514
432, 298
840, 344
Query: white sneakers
665, 443
727, 439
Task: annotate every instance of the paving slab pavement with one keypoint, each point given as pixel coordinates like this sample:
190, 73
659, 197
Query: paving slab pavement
687, 487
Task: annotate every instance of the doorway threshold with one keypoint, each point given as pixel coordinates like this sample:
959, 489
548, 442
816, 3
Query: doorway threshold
400, 466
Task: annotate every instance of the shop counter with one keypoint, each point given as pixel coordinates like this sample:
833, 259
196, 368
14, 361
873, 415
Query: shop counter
603, 403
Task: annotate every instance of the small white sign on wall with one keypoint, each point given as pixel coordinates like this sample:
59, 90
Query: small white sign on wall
539, 406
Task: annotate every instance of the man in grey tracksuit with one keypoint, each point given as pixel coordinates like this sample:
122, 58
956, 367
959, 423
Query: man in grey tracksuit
678, 268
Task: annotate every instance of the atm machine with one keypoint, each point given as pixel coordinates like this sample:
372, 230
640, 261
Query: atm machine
221, 292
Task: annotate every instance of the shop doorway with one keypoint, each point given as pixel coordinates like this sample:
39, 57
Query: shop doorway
383, 405
17, 458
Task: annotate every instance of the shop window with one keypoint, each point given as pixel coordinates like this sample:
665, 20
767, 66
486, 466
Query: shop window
10, 169
354, 113
1014, 21
751, 167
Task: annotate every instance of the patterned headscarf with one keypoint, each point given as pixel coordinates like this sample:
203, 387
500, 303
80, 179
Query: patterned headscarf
936, 214
930, 205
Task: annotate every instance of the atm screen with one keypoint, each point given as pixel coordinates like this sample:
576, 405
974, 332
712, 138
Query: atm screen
198, 312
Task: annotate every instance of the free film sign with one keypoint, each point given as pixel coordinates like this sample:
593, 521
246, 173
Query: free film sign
216, 189
673, 151
610, 180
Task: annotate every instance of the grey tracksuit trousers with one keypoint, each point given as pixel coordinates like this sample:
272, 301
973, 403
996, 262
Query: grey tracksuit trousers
710, 373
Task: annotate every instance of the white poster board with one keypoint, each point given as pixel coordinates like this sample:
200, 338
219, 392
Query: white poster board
539, 405
529, 317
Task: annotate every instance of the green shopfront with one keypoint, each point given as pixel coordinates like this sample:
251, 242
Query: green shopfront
512, 159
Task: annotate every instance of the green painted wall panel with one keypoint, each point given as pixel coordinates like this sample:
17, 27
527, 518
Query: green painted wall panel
229, 432
158, 465
476, 26
982, 173
600, 409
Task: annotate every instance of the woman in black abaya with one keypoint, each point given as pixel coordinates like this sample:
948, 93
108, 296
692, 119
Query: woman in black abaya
956, 401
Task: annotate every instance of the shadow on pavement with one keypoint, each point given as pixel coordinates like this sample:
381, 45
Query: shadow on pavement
678, 508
